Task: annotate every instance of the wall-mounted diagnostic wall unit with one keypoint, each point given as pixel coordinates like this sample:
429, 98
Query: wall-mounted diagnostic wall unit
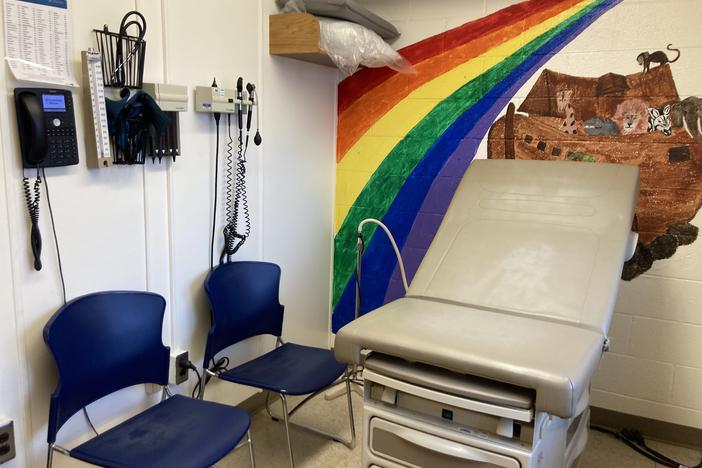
172, 99
213, 99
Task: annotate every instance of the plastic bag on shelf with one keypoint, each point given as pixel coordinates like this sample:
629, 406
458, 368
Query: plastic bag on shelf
350, 45
291, 6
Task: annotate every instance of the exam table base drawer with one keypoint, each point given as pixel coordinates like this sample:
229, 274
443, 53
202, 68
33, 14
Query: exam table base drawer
412, 448
523, 432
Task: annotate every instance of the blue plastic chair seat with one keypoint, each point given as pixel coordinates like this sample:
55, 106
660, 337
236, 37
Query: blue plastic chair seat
178, 432
290, 369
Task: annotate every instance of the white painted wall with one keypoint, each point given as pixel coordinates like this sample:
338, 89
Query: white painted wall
655, 366
148, 228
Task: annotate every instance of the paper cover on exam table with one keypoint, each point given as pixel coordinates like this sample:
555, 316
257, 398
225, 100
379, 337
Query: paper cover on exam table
529, 257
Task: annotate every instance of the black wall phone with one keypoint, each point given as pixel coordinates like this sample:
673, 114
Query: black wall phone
47, 131
47, 127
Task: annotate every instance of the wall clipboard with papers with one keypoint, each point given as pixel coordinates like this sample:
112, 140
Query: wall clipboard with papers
39, 41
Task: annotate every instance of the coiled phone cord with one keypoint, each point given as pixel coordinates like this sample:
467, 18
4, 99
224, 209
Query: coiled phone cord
32, 197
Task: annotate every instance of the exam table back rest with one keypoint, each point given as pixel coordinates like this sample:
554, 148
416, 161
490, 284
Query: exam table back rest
536, 238
250, 309
104, 342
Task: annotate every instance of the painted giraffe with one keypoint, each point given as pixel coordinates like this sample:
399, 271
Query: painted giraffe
563, 100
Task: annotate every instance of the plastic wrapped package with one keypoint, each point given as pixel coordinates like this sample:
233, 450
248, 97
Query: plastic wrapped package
292, 6
351, 45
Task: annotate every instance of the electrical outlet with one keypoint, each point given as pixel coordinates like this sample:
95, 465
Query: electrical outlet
7, 441
178, 370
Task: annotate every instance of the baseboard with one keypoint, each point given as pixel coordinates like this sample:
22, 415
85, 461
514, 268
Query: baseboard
650, 428
254, 403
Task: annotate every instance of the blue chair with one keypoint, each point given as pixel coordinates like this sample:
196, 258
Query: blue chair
244, 303
108, 341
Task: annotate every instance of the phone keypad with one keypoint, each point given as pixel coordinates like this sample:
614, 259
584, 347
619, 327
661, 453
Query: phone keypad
62, 145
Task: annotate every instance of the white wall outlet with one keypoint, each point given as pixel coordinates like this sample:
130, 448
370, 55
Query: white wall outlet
178, 371
7, 440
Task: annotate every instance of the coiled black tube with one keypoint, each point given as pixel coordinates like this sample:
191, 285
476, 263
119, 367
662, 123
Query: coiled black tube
234, 239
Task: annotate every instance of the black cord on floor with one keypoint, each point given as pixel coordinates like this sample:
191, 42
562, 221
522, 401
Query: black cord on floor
635, 440
53, 228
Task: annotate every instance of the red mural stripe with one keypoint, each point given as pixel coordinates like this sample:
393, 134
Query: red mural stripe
371, 106
365, 79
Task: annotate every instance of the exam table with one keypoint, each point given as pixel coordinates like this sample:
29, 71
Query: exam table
487, 360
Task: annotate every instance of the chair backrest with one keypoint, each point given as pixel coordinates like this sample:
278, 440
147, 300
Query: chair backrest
101, 343
244, 303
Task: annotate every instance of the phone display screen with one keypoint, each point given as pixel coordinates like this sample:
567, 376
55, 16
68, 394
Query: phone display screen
53, 102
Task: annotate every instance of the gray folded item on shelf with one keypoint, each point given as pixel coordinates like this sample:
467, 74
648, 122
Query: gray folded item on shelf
348, 10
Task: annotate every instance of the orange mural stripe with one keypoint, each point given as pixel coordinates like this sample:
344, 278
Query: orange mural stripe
360, 116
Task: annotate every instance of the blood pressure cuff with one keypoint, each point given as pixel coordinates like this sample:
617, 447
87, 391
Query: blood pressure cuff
129, 119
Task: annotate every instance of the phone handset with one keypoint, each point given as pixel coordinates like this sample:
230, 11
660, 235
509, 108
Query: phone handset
31, 116
33, 129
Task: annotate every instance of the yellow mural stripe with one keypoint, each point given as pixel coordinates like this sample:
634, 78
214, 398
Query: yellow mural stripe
364, 157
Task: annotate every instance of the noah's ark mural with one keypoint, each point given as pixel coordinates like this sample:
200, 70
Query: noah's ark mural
636, 119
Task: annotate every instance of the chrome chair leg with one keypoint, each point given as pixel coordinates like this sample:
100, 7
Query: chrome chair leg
351, 421
348, 443
50, 456
287, 428
251, 453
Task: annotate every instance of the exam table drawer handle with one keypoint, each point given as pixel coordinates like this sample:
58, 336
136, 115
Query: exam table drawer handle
444, 446
436, 444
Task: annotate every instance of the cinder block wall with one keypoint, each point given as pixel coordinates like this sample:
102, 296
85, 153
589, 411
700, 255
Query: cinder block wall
654, 368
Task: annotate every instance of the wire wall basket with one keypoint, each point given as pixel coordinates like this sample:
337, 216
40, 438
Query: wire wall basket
122, 54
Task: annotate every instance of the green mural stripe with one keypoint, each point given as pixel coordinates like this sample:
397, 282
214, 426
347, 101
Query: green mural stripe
382, 188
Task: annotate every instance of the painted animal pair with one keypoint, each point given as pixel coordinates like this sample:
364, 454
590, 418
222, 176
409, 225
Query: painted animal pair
635, 117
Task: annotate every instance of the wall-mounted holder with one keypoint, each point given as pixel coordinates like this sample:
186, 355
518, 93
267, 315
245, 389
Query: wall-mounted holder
172, 99
122, 54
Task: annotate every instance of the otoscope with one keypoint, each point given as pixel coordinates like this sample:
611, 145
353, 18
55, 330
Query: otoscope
240, 105
251, 89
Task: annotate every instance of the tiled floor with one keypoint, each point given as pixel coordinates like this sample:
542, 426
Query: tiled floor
312, 451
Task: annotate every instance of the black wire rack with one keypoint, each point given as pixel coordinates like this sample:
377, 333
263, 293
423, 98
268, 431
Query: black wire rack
123, 54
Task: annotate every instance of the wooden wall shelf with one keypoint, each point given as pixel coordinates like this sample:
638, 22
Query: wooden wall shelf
296, 35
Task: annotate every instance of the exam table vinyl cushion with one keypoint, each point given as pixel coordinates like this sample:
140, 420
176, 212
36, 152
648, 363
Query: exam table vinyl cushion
178, 432
554, 359
519, 283
290, 369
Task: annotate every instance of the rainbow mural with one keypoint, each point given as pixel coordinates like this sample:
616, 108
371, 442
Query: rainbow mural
404, 141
